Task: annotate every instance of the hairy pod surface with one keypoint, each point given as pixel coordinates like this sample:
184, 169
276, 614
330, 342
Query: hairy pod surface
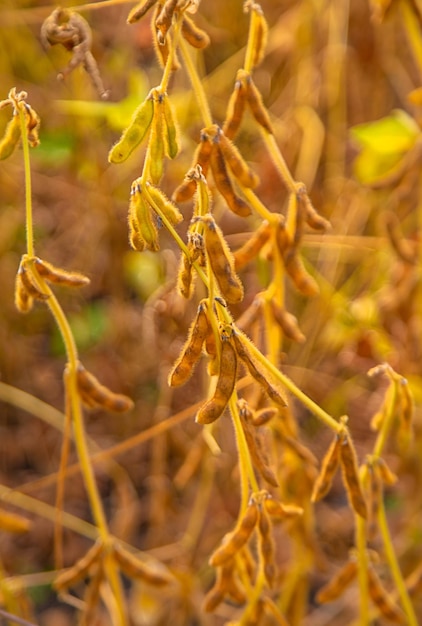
235, 540
257, 370
191, 351
134, 133
257, 107
266, 546
337, 585
221, 261
59, 276
202, 155
80, 569
139, 10
194, 35
383, 600
235, 110
164, 205
329, 466
215, 406
253, 246
236, 163
224, 184
134, 568
350, 471
96, 394
11, 137
141, 213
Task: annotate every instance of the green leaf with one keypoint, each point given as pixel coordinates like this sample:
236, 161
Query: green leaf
391, 135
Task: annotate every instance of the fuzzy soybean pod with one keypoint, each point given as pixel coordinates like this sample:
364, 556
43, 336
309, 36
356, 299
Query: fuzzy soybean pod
266, 546
59, 276
134, 568
191, 351
143, 218
236, 163
235, 110
256, 106
93, 393
197, 37
164, 205
80, 569
11, 137
350, 470
382, 599
134, 133
214, 407
23, 301
224, 184
139, 10
257, 370
261, 35
336, 586
253, 246
235, 540
170, 133
221, 261
329, 467
202, 155
302, 280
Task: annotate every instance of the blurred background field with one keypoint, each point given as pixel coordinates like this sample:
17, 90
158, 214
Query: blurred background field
330, 66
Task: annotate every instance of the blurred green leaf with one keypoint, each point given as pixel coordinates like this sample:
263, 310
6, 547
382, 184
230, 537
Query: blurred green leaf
88, 327
390, 135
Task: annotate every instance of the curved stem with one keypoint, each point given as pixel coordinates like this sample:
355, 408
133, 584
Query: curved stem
196, 83
28, 185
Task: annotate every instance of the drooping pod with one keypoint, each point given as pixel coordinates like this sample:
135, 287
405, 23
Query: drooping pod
134, 568
191, 351
202, 155
226, 584
133, 135
164, 19
214, 407
266, 545
382, 599
235, 110
186, 276
235, 540
302, 280
330, 463
338, 583
163, 204
350, 471
224, 184
287, 322
11, 137
236, 163
80, 569
59, 276
94, 394
170, 131
221, 260
139, 10
253, 245
257, 370
143, 221
256, 105
255, 443
194, 35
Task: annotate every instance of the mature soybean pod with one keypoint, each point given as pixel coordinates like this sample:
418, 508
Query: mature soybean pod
97, 394
236, 163
142, 212
197, 37
235, 110
80, 569
134, 568
261, 35
221, 261
164, 205
336, 586
257, 107
350, 470
191, 351
10, 138
23, 301
202, 155
302, 280
163, 20
266, 546
257, 370
383, 600
60, 276
134, 133
234, 541
214, 407
139, 11
329, 467
224, 184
